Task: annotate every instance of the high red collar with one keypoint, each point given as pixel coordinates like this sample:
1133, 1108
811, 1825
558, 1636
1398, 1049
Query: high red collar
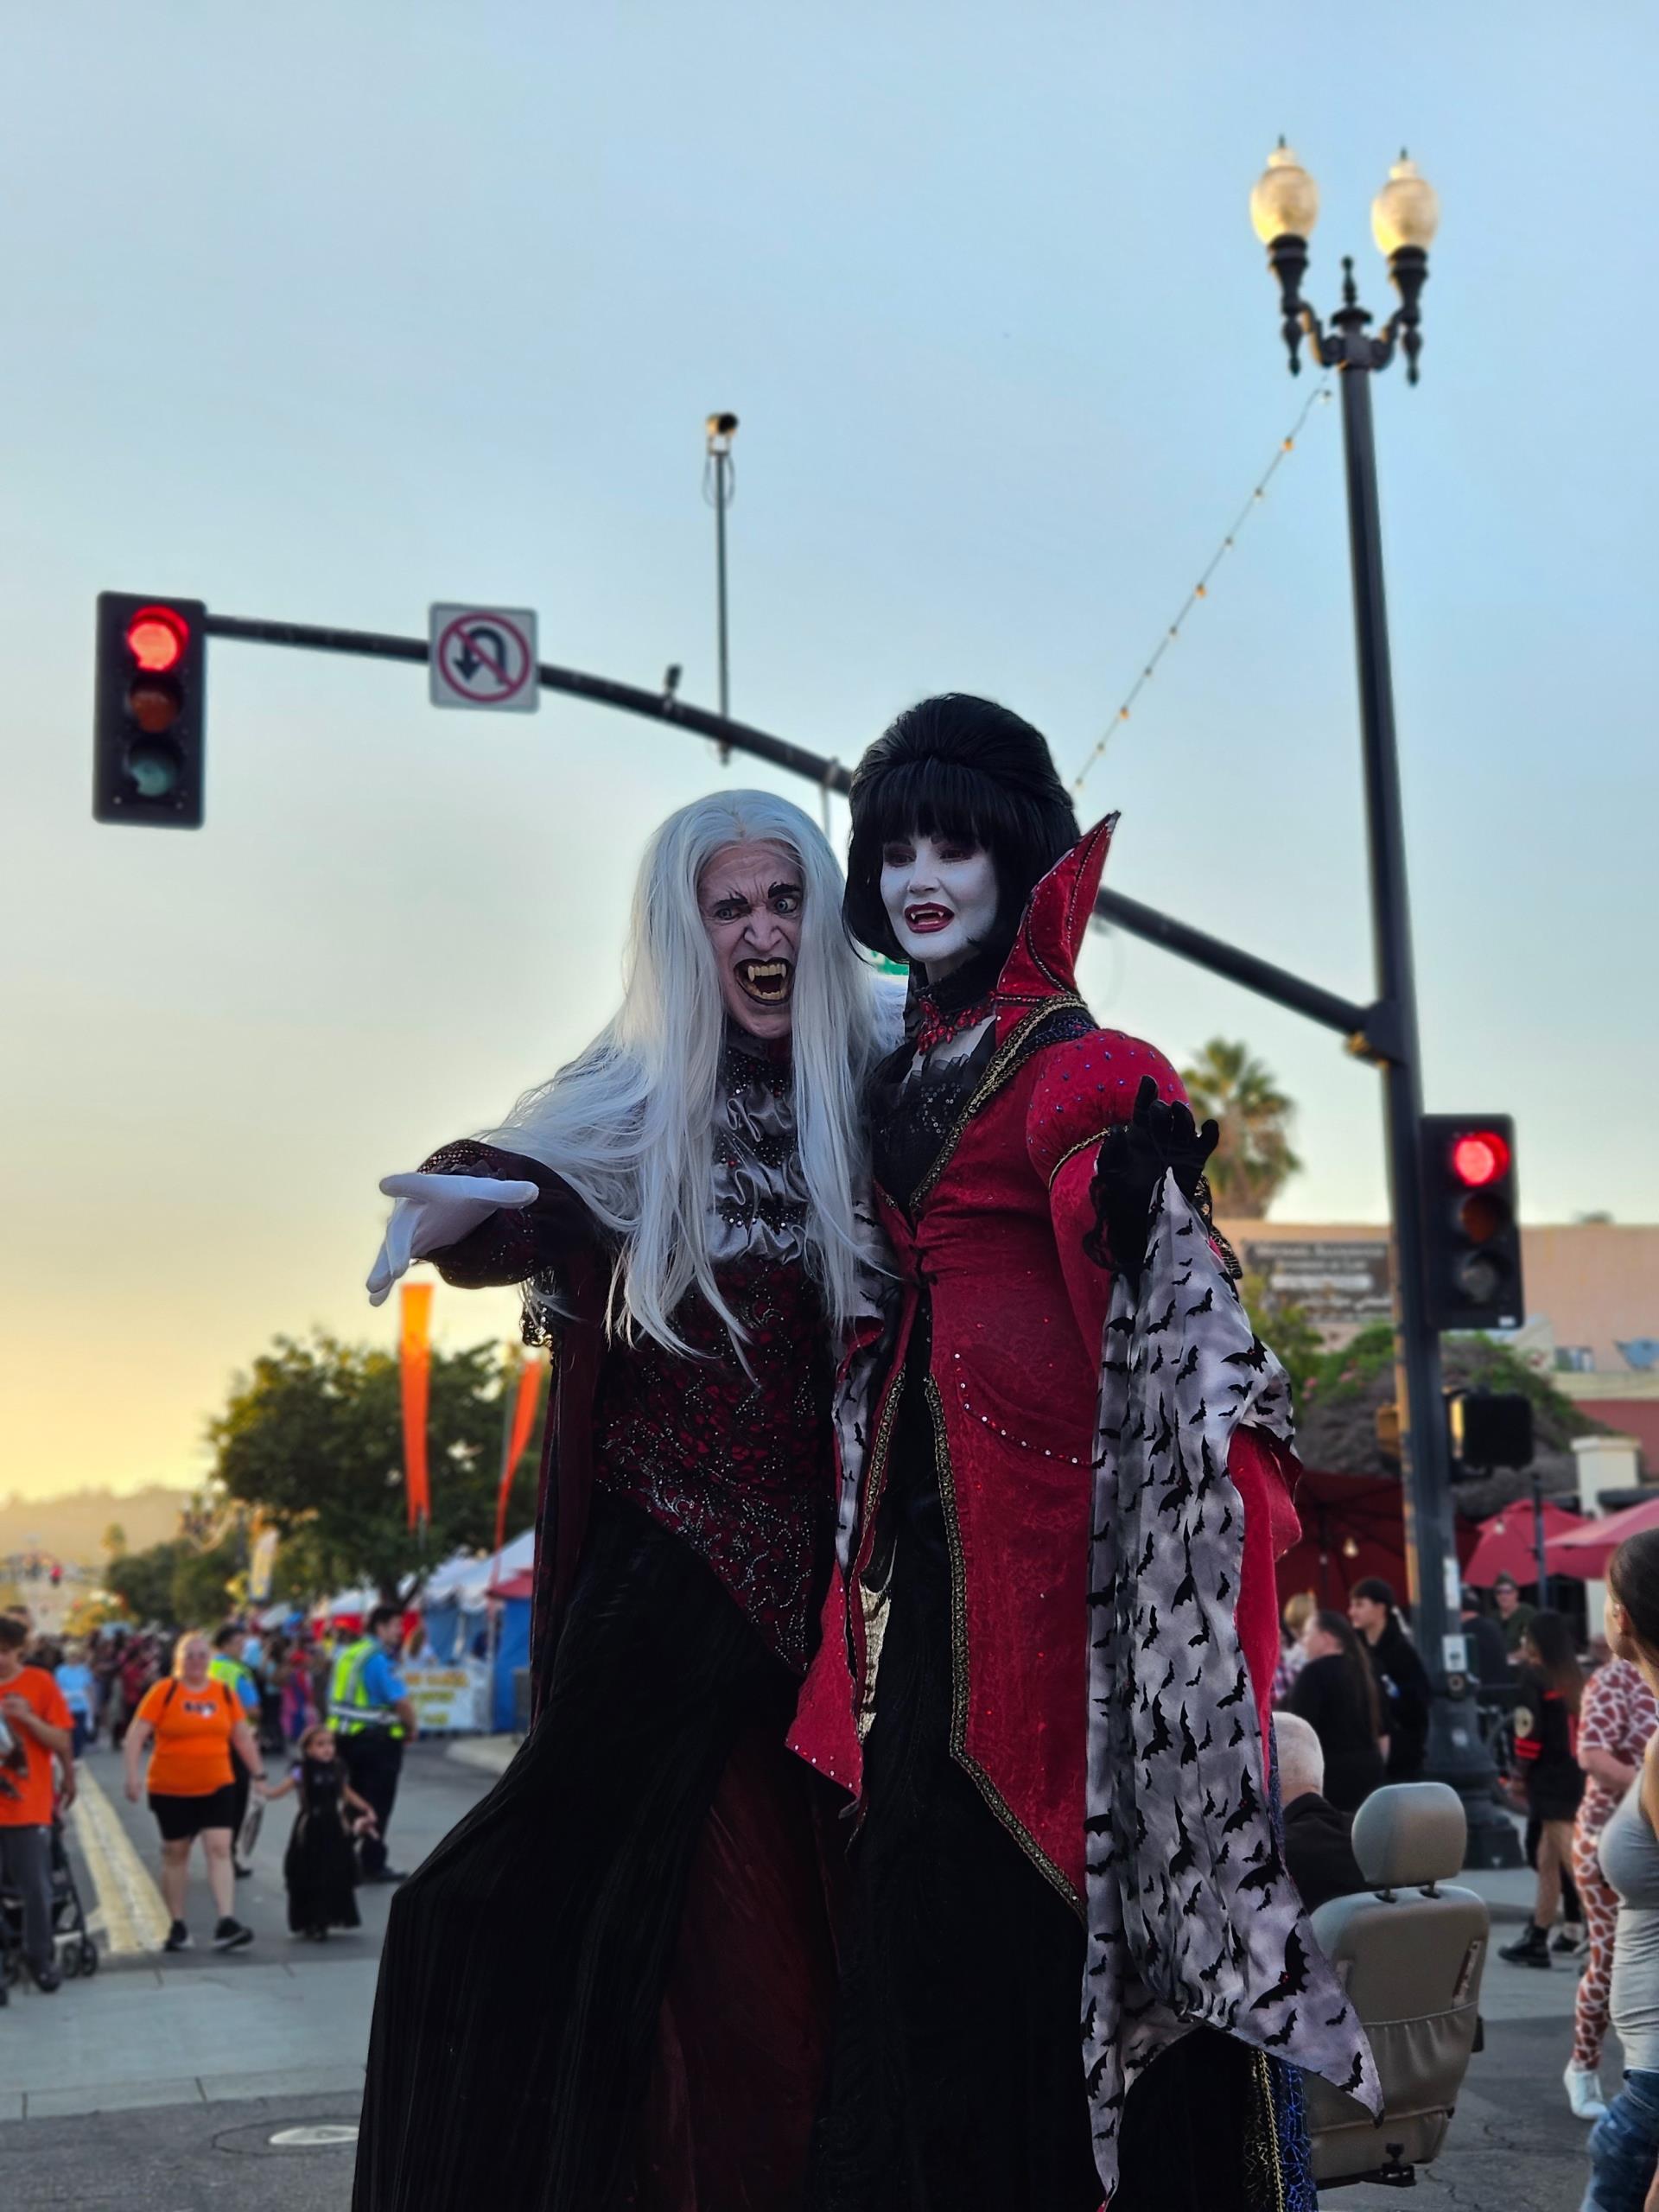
1043, 963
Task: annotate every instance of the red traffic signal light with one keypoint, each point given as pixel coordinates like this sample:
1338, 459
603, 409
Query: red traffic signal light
149, 716
1479, 1157
1472, 1228
156, 638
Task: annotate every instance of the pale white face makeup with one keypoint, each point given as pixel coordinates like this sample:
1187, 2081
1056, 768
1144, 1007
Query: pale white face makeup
750, 897
941, 897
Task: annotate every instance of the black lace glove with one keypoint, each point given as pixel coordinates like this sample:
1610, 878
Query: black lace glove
1134, 1159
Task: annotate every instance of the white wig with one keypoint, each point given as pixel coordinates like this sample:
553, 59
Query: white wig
630, 1123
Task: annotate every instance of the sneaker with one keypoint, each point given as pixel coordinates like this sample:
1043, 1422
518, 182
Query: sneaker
1569, 1940
1584, 2092
179, 1938
231, 1935
46, 1979
243, 1873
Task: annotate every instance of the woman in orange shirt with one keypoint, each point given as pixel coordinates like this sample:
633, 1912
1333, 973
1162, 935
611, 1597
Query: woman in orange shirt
193, 1721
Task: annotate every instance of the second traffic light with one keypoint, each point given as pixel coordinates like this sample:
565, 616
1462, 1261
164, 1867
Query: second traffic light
1471, 1227
149, 710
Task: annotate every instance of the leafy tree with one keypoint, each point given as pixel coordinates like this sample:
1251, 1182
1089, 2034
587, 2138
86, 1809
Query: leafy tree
207, 1582
314, 1438
1286, 1329
178, 1584
1340, 1403
1254, 1160
115, 1540
142, 1582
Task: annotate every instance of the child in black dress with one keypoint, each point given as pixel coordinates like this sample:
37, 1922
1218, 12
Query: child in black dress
319, 1865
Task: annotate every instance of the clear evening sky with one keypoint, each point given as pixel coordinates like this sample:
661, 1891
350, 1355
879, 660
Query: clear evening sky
326, 312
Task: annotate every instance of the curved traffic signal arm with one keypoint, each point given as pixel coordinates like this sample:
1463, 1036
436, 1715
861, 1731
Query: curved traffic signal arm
1471, 1222
148, 718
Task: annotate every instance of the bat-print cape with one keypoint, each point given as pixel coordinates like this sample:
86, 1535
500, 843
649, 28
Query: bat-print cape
1192, 1916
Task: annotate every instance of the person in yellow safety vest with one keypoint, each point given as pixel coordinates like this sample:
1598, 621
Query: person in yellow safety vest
370, 1714
224, 1667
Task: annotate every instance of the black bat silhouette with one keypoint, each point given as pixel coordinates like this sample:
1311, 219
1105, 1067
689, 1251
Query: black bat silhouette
1292, 1982
1205, 1305
1186, 1854
1278, 2041
1189, 1743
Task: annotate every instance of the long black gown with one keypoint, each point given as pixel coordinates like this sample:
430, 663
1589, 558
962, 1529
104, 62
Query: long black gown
608, 1989
318, 1866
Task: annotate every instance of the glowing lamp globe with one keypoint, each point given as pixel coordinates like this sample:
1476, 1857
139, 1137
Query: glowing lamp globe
1285, 201
1406, 211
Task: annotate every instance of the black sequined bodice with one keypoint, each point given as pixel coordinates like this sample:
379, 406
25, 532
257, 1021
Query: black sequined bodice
910, 1121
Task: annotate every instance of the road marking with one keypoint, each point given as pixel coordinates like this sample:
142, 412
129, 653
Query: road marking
134, 1915
314, 2137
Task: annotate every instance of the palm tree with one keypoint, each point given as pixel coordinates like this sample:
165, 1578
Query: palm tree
1254, 1161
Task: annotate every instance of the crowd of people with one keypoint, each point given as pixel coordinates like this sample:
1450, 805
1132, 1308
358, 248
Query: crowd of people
1577, 1736
203, 1723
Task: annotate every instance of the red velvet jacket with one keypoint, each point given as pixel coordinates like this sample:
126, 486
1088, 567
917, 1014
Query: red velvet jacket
1018, 1314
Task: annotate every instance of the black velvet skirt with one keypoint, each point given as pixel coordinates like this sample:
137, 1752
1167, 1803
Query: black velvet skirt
609, 1987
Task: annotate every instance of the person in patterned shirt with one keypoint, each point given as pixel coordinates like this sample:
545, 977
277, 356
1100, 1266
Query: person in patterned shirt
1618, 1714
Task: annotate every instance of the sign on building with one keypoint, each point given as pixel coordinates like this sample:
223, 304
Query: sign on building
1338, 1285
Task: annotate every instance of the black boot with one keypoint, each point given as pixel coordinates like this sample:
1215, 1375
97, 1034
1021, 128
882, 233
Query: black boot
1531, 1950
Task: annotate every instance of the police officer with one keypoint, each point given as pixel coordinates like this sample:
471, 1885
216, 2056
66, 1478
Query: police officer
373, 1719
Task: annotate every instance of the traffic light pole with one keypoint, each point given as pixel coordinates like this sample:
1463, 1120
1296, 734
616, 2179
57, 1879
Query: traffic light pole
1456, 1753
1359, 1023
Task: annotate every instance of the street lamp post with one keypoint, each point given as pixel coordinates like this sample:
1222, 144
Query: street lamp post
1284, 208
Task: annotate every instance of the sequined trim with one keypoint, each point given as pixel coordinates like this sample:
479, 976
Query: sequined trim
1264, 2171
1084, 1144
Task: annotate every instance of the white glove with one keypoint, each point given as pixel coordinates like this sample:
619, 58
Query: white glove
432, 1212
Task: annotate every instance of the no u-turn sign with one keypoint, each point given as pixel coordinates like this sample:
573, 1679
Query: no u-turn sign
484, 657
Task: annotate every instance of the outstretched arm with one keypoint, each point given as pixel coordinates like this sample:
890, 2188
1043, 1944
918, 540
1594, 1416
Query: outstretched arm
482, 1216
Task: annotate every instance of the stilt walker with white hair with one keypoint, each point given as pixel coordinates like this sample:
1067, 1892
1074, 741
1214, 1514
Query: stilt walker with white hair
610, 1986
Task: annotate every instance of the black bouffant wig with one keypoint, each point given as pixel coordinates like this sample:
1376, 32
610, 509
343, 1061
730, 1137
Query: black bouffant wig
960, 767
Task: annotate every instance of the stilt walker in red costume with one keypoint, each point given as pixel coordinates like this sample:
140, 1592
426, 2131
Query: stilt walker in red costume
1050, 1641
610, 1987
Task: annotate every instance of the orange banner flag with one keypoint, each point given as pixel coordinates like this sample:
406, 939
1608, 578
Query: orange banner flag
523, 1420
414, 1366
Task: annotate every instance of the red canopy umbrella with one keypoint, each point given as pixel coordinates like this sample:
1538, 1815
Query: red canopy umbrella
522, 1584
1509, 1543
1584, 1550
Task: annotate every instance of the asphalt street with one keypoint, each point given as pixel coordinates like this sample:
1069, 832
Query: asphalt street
177, 2084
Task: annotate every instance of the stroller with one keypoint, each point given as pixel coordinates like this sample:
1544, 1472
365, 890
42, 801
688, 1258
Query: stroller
77, 1953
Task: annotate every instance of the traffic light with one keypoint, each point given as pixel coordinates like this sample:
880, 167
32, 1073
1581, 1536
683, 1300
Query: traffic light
1491, 1428
1472, 1228
149, 710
